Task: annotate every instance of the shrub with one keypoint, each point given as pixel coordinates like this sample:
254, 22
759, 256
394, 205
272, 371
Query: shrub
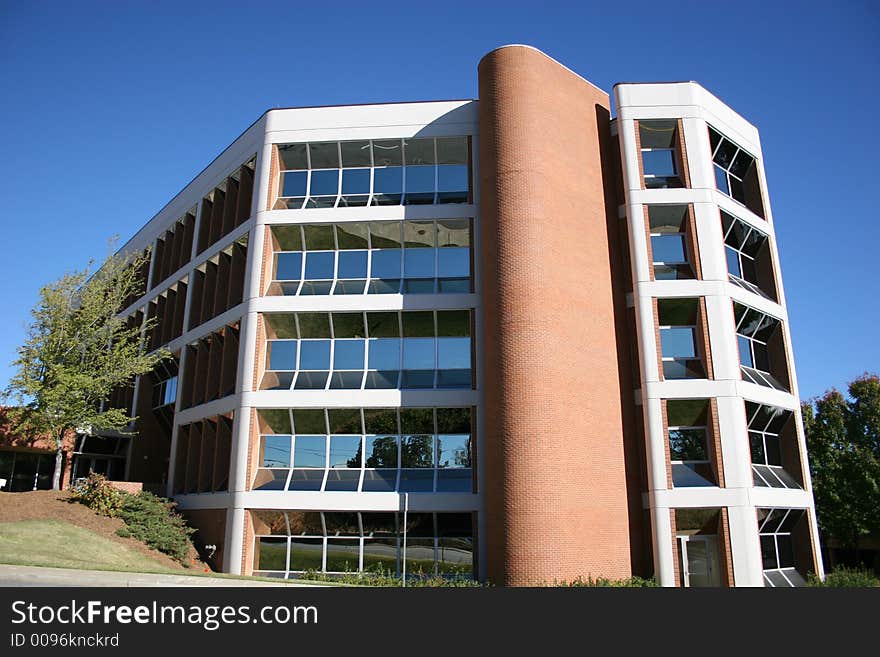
590, 581
96, 493
843, 577
152, 519
382, 578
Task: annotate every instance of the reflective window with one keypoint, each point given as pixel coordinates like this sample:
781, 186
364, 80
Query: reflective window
754, 331
747, 249
659, 149
678, 339
405, 450
668, 241
387, 257
433, 352
775, 528
766, 424
333, 542
735, 172
378, 172
687, 432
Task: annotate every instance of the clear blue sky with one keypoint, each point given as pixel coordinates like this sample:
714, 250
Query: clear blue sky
110, 108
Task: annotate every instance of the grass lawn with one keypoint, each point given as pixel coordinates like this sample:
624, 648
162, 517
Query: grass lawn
58, 544
62, 545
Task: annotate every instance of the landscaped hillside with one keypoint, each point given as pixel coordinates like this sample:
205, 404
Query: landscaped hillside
42, 528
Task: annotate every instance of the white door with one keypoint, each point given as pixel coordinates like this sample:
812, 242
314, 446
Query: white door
699, 560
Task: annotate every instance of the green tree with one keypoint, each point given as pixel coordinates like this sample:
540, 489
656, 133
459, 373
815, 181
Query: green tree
843, 439
77, 350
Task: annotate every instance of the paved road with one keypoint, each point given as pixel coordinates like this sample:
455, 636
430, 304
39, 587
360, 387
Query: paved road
32, 576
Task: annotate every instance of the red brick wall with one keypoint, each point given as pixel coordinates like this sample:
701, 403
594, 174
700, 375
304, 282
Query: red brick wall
557, 490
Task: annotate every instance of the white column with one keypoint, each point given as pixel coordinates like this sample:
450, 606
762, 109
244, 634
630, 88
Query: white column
745, 546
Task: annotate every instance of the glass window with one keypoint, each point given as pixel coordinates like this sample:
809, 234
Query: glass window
381, 452
314, 355
386, 263
275, 452
319, 265
309, 421
306, 554
293, 183
454, 451
453, 353
272, 553
352, 264
324, 155
288, 266
418, 353
355, 182
293, 156
659, 162
348, 355
324, 183
356, 154
345, 451
678, 342
282, 354
309, 451
384, 354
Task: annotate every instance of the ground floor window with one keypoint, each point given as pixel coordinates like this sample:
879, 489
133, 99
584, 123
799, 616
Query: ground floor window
25, 471
290, 543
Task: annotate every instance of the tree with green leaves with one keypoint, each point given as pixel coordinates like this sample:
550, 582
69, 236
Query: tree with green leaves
843, 440
78, 349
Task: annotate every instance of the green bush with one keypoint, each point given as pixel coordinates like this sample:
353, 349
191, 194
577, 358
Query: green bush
96, 493
629, 583
382, 578
152, 519
843, 577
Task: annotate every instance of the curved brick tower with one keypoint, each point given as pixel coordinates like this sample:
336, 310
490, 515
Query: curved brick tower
556, 496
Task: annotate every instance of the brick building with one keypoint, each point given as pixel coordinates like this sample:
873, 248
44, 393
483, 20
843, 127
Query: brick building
513, 338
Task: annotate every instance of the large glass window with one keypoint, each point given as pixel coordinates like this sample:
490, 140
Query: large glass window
766, 426
775, 527
372, 350
369, 450
290, 543
387, 257
687, 425
379, 172
669, 249
678, 339
736, 172
760, 362
748, 256
660, 158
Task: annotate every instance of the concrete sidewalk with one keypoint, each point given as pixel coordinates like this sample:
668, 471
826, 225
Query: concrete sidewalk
54, 577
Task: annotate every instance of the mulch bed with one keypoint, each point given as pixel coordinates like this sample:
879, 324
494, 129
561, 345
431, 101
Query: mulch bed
53, 505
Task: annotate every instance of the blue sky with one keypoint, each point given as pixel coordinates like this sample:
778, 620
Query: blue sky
110, 108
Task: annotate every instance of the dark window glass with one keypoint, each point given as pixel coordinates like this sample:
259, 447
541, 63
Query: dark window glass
293, 156
324, 183
273, 554
294, 183
306, 554
319, 265
353, 264
288, 266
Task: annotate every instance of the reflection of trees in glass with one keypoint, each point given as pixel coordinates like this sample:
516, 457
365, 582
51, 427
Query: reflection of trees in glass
417, 452
384, 453
380, 420
687, 444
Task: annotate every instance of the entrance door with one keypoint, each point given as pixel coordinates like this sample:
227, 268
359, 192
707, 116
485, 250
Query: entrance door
699, 560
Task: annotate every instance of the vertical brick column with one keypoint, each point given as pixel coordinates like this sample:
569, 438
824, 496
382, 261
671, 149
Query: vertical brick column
556, 497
